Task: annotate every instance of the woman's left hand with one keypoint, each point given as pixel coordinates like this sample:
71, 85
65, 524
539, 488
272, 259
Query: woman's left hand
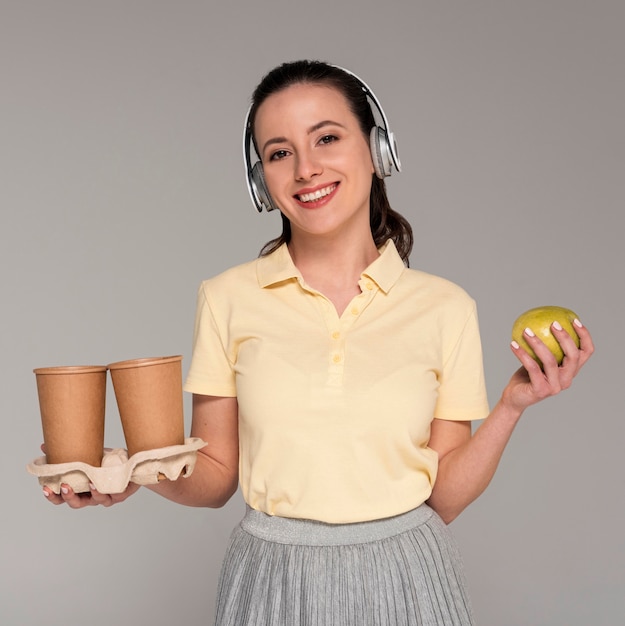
530, 383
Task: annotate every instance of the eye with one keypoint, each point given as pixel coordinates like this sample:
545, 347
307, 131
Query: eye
328, 139
278, 154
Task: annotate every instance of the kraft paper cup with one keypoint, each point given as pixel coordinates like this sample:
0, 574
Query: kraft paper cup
149, 397
72, 405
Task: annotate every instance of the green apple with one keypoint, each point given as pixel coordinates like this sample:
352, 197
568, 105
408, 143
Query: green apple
540, 320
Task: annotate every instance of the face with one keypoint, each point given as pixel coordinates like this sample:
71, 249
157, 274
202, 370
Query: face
316, 160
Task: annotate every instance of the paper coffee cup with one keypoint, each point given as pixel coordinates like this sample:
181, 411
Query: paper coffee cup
149, 398
72, 405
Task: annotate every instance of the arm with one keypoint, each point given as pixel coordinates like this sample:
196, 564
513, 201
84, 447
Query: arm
467, 463
215, 477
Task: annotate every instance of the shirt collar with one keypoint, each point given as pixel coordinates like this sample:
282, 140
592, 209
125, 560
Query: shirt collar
387, 268
278, 267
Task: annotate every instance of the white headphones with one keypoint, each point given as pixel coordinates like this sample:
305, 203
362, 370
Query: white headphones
382, 144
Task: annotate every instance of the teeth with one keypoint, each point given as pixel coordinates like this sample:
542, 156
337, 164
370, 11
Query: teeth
309, 197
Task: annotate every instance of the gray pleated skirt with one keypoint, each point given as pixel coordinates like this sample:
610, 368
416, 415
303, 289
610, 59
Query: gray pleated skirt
400, 571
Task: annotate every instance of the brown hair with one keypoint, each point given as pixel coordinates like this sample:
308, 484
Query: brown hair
385, 223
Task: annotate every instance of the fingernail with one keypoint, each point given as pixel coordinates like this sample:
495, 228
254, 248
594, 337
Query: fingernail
64, 490
577, 323
529, 332
92, 487
514, 344
557, 325
46, 493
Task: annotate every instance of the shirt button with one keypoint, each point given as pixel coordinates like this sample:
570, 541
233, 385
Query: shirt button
336, 334
336, 358
354, 311
369, 286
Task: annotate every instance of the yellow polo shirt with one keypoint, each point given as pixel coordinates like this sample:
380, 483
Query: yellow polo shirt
335, 412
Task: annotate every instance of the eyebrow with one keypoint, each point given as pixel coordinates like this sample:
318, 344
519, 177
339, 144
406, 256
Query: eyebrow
312, 129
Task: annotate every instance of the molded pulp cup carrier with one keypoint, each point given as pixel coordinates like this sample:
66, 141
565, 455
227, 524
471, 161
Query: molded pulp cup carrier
72, 405
149, 398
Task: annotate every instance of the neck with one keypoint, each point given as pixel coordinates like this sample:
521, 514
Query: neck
333, 267
342, 257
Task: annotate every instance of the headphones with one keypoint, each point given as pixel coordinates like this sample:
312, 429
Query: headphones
382, 144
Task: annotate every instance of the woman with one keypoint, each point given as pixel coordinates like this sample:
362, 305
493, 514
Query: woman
338, 387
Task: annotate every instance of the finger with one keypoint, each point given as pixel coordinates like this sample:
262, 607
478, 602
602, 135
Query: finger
131, 488
538, 384
102, 499
568, 345
528, 362
544, 376
55, 498
75, 500
574, 356
547, 359
586, 344
571, 361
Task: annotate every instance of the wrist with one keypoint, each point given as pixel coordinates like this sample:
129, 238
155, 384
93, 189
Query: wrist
508, 410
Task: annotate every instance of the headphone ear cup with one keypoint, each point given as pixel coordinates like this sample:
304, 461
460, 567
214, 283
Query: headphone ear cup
380, 152
260, 189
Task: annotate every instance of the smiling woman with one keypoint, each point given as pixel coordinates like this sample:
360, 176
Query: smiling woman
317, 163
337, 386
385, 222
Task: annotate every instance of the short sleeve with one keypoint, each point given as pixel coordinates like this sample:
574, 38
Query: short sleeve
462, 391
211, 372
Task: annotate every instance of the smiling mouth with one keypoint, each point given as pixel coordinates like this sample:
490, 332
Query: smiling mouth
316, 195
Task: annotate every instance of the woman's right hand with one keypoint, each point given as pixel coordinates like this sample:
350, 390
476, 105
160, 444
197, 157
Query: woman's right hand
89, 498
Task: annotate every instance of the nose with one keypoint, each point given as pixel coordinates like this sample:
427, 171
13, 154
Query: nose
307, 166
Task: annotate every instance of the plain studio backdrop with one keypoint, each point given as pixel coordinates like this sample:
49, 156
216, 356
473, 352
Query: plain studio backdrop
122, 188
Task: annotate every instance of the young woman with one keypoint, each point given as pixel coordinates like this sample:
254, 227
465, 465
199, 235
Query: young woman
337, 386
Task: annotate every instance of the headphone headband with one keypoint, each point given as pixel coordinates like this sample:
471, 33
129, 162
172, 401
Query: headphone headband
387, 129
382, 144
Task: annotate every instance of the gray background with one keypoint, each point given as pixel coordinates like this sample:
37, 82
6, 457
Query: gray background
122, 187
